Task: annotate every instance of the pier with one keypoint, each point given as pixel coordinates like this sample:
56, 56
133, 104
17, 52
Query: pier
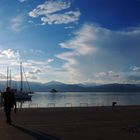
72, 123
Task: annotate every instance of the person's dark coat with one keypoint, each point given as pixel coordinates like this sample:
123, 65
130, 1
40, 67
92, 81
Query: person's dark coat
9, 99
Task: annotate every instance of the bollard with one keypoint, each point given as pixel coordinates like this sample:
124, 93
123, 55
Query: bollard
114, 104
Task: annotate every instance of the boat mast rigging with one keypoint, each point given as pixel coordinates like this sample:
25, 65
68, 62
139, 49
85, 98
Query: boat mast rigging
21, 82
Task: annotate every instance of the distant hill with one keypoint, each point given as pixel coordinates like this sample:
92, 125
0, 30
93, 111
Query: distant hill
115, 88
64, 87
85, 88
61, 87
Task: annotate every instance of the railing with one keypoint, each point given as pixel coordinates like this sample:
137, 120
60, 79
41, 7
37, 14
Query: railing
68, 105
51, 105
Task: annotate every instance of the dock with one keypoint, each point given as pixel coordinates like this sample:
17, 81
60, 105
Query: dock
72, 123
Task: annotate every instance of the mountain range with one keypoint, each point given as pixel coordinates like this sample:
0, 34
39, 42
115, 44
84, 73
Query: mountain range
62, 87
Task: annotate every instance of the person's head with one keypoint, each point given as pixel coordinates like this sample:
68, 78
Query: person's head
8, 89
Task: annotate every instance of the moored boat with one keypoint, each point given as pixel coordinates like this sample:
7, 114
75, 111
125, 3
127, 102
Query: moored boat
21, 95
53, 90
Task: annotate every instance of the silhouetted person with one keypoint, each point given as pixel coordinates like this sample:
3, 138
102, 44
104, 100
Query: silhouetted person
9, 103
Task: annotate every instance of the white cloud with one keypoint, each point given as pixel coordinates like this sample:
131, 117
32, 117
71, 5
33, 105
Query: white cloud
22, 0
38, 63
12, 58
65, 18
9, 54
108, 74
16, 23
9, 58
3, 76
30, 21
50, 60
135, 68
34, 51
49, 7
82, 42
69, 27
113, 74
96, 52
35, 71
100, 74
51, 12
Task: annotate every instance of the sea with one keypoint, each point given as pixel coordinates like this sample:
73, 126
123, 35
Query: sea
80, 99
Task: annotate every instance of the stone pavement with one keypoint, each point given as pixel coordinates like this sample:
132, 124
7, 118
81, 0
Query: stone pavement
45, 124
83, 123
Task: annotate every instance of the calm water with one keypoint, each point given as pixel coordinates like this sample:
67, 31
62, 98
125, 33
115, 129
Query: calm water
47, 99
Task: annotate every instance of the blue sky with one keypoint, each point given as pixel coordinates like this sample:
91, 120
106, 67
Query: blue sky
71, 41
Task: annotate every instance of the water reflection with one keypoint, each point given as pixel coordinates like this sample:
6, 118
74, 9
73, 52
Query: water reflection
61, 99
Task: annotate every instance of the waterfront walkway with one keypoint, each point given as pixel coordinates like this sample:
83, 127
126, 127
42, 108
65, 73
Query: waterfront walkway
93, 123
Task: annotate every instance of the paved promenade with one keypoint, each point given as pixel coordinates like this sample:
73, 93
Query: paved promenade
98, 123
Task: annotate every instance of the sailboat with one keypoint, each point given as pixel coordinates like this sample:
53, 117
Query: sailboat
21, 95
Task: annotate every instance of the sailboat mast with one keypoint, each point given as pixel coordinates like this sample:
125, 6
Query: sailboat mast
26, 80
10, 79
21, 84
7, 76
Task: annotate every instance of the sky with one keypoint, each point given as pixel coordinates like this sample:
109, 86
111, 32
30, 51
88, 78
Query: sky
71, 41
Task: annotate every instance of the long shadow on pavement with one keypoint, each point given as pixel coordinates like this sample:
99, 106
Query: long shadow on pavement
37, 135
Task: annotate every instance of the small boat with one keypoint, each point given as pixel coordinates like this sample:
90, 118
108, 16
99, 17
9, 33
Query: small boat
53, 90
22, 95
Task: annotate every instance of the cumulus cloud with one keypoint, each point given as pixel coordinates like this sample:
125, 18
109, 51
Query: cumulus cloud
133, 75
49, 7
32, 68
65, 18
135, 68
96, 52
51, 12
8, 58
82, 42
35, 71
9, 53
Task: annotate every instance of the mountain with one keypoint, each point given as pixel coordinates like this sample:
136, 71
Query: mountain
54, 83
115, 88
62, 87
87, 84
